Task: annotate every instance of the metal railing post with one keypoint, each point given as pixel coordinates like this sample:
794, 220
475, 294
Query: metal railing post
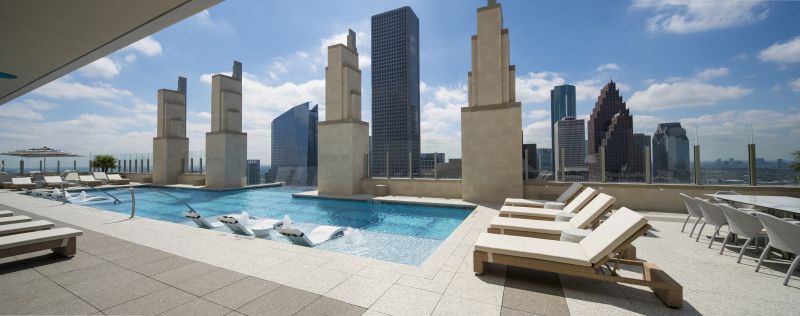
751, 157
133, 203
201, 164
561, 156
525, 166
648, 174
411, 166
696, 164
387, 166
191, 163
435, 165
603, 164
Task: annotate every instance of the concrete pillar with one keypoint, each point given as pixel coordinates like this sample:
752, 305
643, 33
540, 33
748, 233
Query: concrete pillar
491, 124
58, 166
343, 138
648, 173
170, 146
751, 162
226, 145
21, 167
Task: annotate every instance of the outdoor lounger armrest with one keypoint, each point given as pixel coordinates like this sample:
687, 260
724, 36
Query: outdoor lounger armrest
6, 213
14, 219
24, 227
61, 240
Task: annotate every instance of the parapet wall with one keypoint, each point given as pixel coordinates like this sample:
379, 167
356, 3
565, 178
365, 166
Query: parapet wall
440, 188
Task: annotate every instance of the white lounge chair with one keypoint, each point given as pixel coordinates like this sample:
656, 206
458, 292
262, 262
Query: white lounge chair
24, 227
22, 183
589, 258
584, 219
244, 225
6, 213
783, 236
100, 176
201, 221
89, 181
317, 235
561, 200
117, 179
549, 214
72, 177
55, 182
61, 240
14, 219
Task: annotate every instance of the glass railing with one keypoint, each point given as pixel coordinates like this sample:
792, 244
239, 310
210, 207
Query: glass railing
435, 165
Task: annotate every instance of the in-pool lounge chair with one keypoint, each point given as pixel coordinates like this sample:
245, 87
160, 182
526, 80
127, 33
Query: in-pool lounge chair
6, 213
24, 227
244, 225
317, 235
100, 176
22, 183
14, 219
116, 179
55, 182
201, 221
61, 240
578, 203
584, 219
558, 203
598, 256
89, 181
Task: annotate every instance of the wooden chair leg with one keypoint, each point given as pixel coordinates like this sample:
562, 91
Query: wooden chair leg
669, 291
68, 250
479, 259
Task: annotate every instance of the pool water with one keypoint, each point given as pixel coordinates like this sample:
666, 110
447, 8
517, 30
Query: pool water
400, 233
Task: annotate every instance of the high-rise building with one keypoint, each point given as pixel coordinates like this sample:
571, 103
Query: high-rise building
395, 93
544, 160
294, 146
562, 104
670, 154
611, 126
428, 163
253, 171
570, 149
532, 162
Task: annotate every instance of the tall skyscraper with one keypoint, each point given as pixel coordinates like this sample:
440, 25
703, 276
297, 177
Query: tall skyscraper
562, 104
533, 161
253, 171
294, 146
670, 153
395, 92
611, 126
545, 162
569, 151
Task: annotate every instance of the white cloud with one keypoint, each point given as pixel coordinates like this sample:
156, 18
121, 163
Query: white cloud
537, 132
784, 53
795, 84
206, 22
64, 88
538, 114
101, 68
130, 58
711, 73
363, 41
662, 96
688, 16
607, 67
535, 86
440, 127
148, 46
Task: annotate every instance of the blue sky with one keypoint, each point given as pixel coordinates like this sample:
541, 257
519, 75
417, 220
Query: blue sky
717, 67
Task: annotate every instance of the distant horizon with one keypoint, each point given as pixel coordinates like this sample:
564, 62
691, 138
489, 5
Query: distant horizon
716, 69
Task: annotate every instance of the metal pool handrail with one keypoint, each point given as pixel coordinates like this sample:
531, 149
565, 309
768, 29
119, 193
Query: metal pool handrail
175, 198
116, 200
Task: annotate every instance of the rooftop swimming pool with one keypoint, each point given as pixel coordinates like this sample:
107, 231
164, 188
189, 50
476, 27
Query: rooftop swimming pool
400, 233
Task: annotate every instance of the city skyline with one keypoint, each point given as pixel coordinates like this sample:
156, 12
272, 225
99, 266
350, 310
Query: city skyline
719, 77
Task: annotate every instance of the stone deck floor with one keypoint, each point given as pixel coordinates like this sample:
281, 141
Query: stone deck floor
199, 262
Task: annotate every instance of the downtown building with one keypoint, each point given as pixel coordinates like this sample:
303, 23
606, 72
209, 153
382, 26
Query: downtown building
531, 161
671, 154
611, 127
428, 162
544, 162
562, 104
395, 94
569, 150
294, 146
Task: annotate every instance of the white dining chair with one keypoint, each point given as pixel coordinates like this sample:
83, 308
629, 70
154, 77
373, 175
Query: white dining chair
741, 224
694, 211
711, 215
783, 236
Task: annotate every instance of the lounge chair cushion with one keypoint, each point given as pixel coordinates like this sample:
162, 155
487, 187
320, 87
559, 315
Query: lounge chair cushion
14, 219
6, 213
566, 195
17, 240
581, 200
534, 248
53, 180
22, 227
612, 233
592, 211
542, 227
21, 181
528, 211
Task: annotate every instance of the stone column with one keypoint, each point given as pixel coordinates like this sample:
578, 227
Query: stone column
343, 138
491, 125
226, 145
170, 145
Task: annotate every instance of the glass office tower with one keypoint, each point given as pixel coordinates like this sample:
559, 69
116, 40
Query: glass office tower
562, 104
294, 146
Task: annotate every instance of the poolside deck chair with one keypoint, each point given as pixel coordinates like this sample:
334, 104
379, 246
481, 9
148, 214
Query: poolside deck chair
6, 213
201, 221
549, 214
24, 227
590, 258
244, 225
72, 177
89, 181
22, 183
61, 240
14, 219
55, 182
317, 235
5, 181
100, 176
116, 179
584, 219
562, 199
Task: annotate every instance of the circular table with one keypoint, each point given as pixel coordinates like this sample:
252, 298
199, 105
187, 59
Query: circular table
574, 234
